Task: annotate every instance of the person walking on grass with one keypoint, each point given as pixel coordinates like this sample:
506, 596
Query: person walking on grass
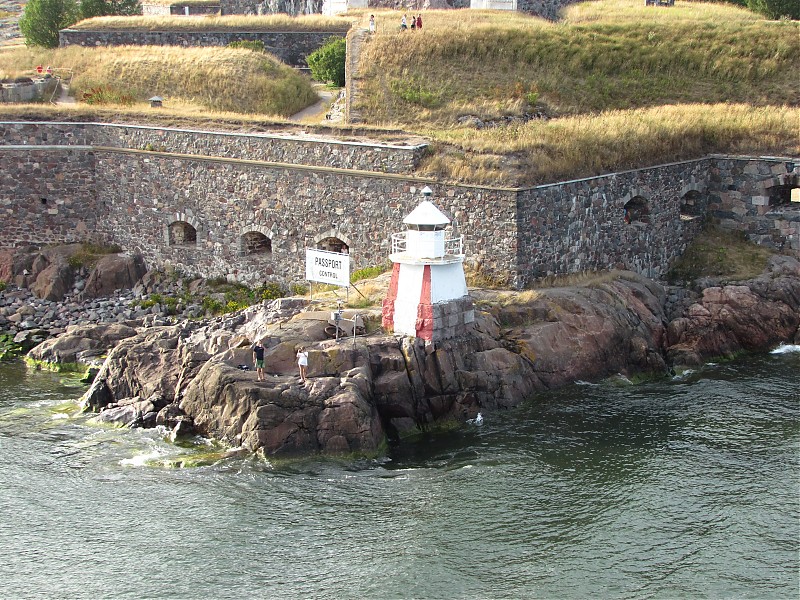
372, 23
413, 22
302, 363
419, 21
403, 24
258, 359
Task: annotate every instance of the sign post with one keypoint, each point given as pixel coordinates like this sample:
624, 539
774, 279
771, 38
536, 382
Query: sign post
323, 266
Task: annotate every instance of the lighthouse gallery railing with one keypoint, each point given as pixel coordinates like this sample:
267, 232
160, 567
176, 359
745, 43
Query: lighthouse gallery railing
453, 246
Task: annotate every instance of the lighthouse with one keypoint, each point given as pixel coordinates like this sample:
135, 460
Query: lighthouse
428, 297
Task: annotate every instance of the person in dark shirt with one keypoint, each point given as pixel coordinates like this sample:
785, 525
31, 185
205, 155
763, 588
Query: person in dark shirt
258, 359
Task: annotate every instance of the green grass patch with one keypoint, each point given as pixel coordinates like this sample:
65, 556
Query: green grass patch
720, 253
369, 272
90, 253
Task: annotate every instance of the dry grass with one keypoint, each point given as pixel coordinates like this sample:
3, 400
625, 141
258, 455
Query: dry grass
277, 22
612, 54
580, 146
220, 79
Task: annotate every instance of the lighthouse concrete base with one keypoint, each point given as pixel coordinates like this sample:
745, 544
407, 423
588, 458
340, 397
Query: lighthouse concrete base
435, 322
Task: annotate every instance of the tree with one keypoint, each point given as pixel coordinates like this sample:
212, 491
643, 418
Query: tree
775, 9
102, 8
42, 20
327, 63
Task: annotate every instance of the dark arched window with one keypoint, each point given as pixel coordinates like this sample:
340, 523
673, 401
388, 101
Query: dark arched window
332, 244
636, 210
691, 206
255, 242
182, 234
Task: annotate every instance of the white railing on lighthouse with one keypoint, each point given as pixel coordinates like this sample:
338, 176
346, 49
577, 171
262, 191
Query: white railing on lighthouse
453, 246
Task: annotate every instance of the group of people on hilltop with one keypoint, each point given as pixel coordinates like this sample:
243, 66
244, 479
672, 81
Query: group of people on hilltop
416, 22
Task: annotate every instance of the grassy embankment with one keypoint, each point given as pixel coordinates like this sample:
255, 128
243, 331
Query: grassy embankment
623, 85
195, 81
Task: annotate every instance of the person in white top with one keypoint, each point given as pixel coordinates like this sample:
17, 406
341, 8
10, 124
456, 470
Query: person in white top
302, 362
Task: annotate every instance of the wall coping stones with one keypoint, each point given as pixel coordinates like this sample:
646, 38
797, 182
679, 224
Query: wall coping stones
268, 135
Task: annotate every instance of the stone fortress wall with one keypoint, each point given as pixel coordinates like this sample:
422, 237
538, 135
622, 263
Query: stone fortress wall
291, 47
245, 206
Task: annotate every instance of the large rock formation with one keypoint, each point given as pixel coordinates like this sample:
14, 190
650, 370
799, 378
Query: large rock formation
751, 315
362, 392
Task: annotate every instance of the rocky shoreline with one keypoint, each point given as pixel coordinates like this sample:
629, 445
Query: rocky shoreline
192, 374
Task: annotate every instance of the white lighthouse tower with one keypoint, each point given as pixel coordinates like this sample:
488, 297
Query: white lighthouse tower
428, 295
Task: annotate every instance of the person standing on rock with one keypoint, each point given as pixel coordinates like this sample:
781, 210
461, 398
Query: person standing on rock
302, 363
258, 359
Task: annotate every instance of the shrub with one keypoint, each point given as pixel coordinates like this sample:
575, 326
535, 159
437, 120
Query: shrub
104, 94
102, 8
270, 291
42, 20
8, 347
212, 305
327, 63
254, 45
298, 289
368, 272
3, 286
414, 93
776, 9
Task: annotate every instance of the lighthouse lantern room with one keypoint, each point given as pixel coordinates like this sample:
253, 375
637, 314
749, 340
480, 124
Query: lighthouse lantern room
428, 295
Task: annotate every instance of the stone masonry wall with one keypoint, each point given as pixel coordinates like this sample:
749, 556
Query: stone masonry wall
295, 207
580, 225
179, 9
183, 202
47, 195
263, 7
325, 152
752, 196
291, 47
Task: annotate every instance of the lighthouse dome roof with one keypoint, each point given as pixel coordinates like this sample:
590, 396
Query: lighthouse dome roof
426, 214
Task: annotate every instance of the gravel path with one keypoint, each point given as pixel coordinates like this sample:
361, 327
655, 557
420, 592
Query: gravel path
9, 30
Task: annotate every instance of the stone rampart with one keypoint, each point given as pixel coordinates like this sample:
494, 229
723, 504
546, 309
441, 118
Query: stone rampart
268, 147
583, 225
291, 47
48, 195
180, 8
234, 205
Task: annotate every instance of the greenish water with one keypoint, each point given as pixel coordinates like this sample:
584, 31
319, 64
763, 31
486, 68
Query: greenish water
686, 488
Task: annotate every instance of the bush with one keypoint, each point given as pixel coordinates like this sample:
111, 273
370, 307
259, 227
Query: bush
3, 286
776, 9
270, 291
254, 45
327, 63
368, 272
42, 20
103, 8
103, 94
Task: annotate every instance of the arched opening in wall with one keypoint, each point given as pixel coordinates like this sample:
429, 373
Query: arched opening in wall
182, 234
691, 206
333, 244
255, 242
636, 210
781, 195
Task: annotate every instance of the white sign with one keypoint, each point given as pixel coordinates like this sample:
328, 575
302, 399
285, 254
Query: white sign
327, 267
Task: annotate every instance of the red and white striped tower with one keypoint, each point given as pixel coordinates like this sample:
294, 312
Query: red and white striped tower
428, 295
